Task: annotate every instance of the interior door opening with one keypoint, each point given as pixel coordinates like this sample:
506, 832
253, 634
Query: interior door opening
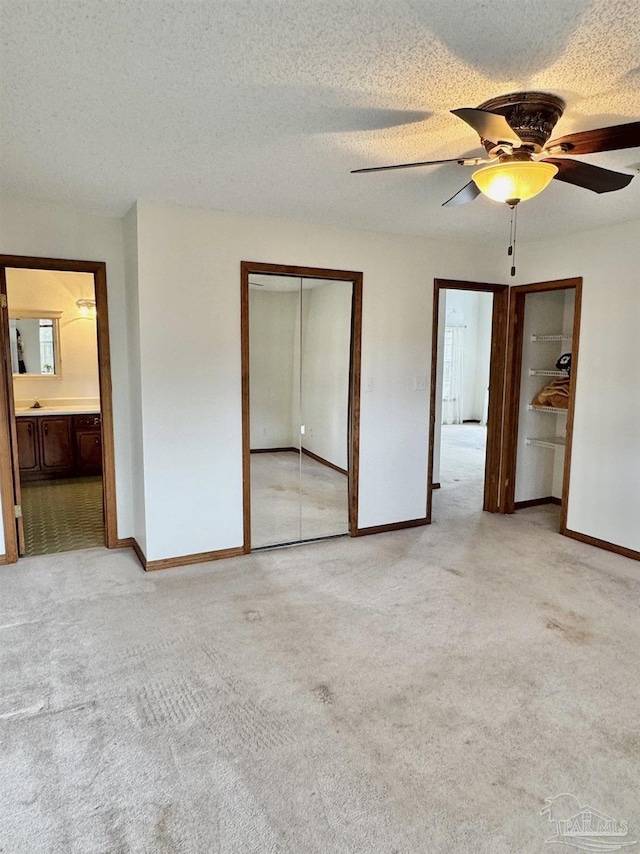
301, 334
543, 365
469, 351
57, 478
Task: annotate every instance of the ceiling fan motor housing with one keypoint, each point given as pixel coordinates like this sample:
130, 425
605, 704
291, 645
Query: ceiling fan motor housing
532, 115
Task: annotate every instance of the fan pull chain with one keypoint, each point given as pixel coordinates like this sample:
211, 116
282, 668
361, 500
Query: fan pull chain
513, 244
511, 252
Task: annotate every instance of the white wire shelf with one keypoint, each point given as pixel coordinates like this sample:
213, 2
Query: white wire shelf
543, 372
554, 409
535, 338
552, 442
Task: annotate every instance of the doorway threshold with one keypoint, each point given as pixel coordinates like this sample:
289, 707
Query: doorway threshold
298, 543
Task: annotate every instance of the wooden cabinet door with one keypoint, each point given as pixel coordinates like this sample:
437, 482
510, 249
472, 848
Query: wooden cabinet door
27, 432
56, 443
89, 451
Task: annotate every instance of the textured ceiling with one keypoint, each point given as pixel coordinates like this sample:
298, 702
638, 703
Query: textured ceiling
263, 106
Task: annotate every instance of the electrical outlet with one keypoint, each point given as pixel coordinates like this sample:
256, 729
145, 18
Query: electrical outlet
420, 383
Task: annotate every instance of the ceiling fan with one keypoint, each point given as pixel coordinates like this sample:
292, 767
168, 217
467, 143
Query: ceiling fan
521, 161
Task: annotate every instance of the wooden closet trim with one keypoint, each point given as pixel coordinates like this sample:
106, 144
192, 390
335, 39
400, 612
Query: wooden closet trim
513, 385
8, 474
492, 496
246, 268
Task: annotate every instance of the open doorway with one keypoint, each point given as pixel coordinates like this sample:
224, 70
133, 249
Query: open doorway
57, 470
301, 367
544, 332
467, 384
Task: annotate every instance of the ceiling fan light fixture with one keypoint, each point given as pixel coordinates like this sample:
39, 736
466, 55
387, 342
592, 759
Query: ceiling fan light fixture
514, 181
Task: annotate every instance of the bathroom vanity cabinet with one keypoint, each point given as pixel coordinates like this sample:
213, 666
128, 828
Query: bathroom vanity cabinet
88, 443
59, 445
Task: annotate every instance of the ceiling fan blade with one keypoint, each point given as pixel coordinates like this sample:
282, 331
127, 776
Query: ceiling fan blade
599, 139
460, 160
490, 126
590, 177
468, 193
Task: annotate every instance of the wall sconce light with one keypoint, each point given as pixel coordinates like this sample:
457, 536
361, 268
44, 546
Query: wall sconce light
87, 307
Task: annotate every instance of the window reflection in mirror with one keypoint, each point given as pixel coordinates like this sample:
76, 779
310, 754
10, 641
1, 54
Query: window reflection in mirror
34, 344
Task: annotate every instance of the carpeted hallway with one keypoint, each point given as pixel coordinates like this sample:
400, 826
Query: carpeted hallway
419, 691
462, 462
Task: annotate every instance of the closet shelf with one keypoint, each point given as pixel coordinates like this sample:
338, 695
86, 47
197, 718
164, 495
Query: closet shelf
535, 338
543, 372
555, 409
551, 442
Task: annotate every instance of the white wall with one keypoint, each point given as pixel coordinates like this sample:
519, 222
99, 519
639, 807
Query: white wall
483, 354
188, 455
138, 510
326, 344
55, 231
604, 499
190, 357
437, 429
472, 309
275, 321
274, 326
49, 290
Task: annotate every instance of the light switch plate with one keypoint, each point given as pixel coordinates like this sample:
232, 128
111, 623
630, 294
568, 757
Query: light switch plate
420, 383
368, 383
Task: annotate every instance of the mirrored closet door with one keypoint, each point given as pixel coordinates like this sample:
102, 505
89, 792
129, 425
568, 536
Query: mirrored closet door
324, 407
300, 333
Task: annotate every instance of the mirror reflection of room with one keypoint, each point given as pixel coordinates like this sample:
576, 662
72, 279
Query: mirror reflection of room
464, 358
300, 351
34, 343
54, 360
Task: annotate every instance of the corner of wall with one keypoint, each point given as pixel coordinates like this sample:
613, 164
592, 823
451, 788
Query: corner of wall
130, 233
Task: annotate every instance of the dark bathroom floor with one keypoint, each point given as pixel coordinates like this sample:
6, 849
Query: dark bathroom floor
62, 515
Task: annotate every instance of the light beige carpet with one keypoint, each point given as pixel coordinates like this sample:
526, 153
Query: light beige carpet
294, 497
419, 691
462, 456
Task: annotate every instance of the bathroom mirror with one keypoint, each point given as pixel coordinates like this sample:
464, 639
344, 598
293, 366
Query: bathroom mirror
35, 343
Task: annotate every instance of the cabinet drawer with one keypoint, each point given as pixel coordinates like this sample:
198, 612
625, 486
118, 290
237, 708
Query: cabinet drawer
86, 422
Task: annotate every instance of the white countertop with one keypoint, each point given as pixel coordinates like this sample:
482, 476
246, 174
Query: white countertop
57, 410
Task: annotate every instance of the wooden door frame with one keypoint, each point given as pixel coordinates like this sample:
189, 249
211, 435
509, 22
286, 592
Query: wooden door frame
353, 445
513, 384
9, 475
492, 494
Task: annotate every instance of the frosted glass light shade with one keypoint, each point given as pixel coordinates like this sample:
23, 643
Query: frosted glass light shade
516, 180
